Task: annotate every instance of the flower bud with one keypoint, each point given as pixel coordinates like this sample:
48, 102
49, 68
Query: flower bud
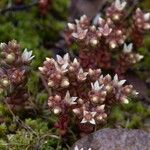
116, 17
113, 44
5, 82
80, 101
101, 108
103, 93
95, 99
77, 111
124, 100
99, 118
57, 110
10, 58
51, 83
57, 98
93, 42
50, 103
65, 83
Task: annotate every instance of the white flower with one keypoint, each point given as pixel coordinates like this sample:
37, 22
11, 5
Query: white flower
27, 56
2, 45
82, 75
88, 117
120, 5
96, 86
76, 148
147, 16
63, 60
80, 34
70, 100
127, 48
71, 26
105, 30
139, 57
117, 82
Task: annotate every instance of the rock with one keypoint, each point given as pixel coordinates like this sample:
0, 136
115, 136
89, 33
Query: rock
115, 139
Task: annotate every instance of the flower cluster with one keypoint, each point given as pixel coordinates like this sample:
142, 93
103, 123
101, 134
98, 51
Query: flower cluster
112, 39
13, 73
88, 95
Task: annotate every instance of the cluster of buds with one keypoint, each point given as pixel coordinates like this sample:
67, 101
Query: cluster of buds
88, 95
13, 73
102, 43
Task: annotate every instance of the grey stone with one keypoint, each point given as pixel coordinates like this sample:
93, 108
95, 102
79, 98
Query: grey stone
115, 139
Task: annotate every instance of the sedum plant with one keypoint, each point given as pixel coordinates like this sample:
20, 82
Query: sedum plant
112, 41
84, 96
13, 74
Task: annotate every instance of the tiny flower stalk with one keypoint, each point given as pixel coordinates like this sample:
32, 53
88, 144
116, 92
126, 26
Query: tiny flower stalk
85, 95
112, 39
14, 73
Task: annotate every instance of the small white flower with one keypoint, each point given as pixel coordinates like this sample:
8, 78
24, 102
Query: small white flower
106, 30
70, 100
117, 82
88, 117
96, 86
82, 75
2, 45
139, 57
27, 56
80, 34
71, 26
63, 60
76, 148
127, 48
76, 62
120, 5
147, 16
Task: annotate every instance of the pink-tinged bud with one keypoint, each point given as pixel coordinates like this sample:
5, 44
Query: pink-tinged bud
80, 101
65, 83
116, 17
108, 88
103, 93
5, 82
112, 44
58, 76
119, 32
71, 69
124, 100
95, 99
77, 111
51, 83
57, 110
10, 58
99, 118
104, 115
128, 90
93, 42
102, 100
100, 108
57, 98
50, 104
91, 72
147, 26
